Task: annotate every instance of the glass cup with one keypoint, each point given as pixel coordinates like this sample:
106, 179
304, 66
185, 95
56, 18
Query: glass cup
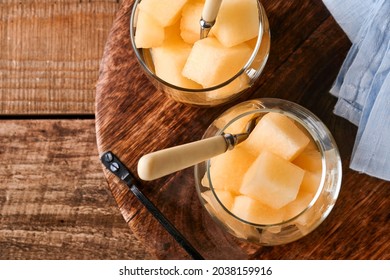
223, 92
308, 217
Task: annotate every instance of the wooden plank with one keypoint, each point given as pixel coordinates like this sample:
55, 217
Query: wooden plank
50, 54
54, 200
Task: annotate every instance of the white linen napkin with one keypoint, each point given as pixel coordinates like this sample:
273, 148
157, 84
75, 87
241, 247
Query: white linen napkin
363, 83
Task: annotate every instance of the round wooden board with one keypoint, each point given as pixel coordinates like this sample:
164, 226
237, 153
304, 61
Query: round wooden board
133, 118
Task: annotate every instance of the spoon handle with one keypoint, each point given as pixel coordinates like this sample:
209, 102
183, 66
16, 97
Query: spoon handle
163, 162
209, 14
210, 10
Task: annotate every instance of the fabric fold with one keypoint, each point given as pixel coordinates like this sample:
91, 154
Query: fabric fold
363, 83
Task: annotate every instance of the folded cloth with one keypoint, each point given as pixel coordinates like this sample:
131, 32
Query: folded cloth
362, 62
362, 85
371, 153
350, 14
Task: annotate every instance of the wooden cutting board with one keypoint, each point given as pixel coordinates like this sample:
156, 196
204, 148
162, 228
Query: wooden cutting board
133, 118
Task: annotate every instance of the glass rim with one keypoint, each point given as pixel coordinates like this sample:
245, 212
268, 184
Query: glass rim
138, 51
314, 137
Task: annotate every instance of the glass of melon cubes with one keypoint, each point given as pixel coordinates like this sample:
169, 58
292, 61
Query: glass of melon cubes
165, 36
281, 182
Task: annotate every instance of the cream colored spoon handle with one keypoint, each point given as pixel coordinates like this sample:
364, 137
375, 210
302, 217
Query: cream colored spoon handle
210, 10
158, 164
208, 17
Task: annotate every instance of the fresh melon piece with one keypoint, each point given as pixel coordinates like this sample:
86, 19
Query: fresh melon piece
262, 52
165, 12
312, 145
149, 33
311, 181
238, 228
239, 84
239, 126
210, 63
309, 160
173, 38
277, 133
189, 23
225, 197
272, 180
298, 205
170, 57
237, 21
228, 169
169, 63
253, 211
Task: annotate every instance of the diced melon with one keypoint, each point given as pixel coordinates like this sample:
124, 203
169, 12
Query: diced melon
173, 38
298, 205
311, 181
239, 84
263, 51
237, 21
225, 197
252, 210
312, 146
228, 169
277, 133
189, 23
169, 59
205, 181
239, 125
149, 33
272, 180
166, 12
210, 63
238, 228
309, 160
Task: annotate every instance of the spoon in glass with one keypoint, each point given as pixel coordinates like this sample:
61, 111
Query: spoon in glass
164, 162
209, 14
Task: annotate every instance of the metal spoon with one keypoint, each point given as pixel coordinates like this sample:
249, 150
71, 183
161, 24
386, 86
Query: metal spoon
209, 14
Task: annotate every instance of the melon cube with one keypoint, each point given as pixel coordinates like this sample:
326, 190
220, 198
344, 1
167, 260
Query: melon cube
226, 198
170, 57
238, 228
165, 12
312, 146
272, 180
263, 50
149, 33
173, 38
228, 169
253, 211
189, 23
237, 22
238, 126
277, 133
239, 84
311, 181
309, 160
298, 205
210, 63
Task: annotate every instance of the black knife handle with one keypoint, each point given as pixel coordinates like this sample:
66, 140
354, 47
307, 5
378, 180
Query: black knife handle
112, 163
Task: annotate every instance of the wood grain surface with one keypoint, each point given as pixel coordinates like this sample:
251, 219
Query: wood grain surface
54, 201
50, 53
133, 118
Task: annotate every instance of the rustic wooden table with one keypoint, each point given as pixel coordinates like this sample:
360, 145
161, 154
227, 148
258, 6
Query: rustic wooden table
54, 199
55, 202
